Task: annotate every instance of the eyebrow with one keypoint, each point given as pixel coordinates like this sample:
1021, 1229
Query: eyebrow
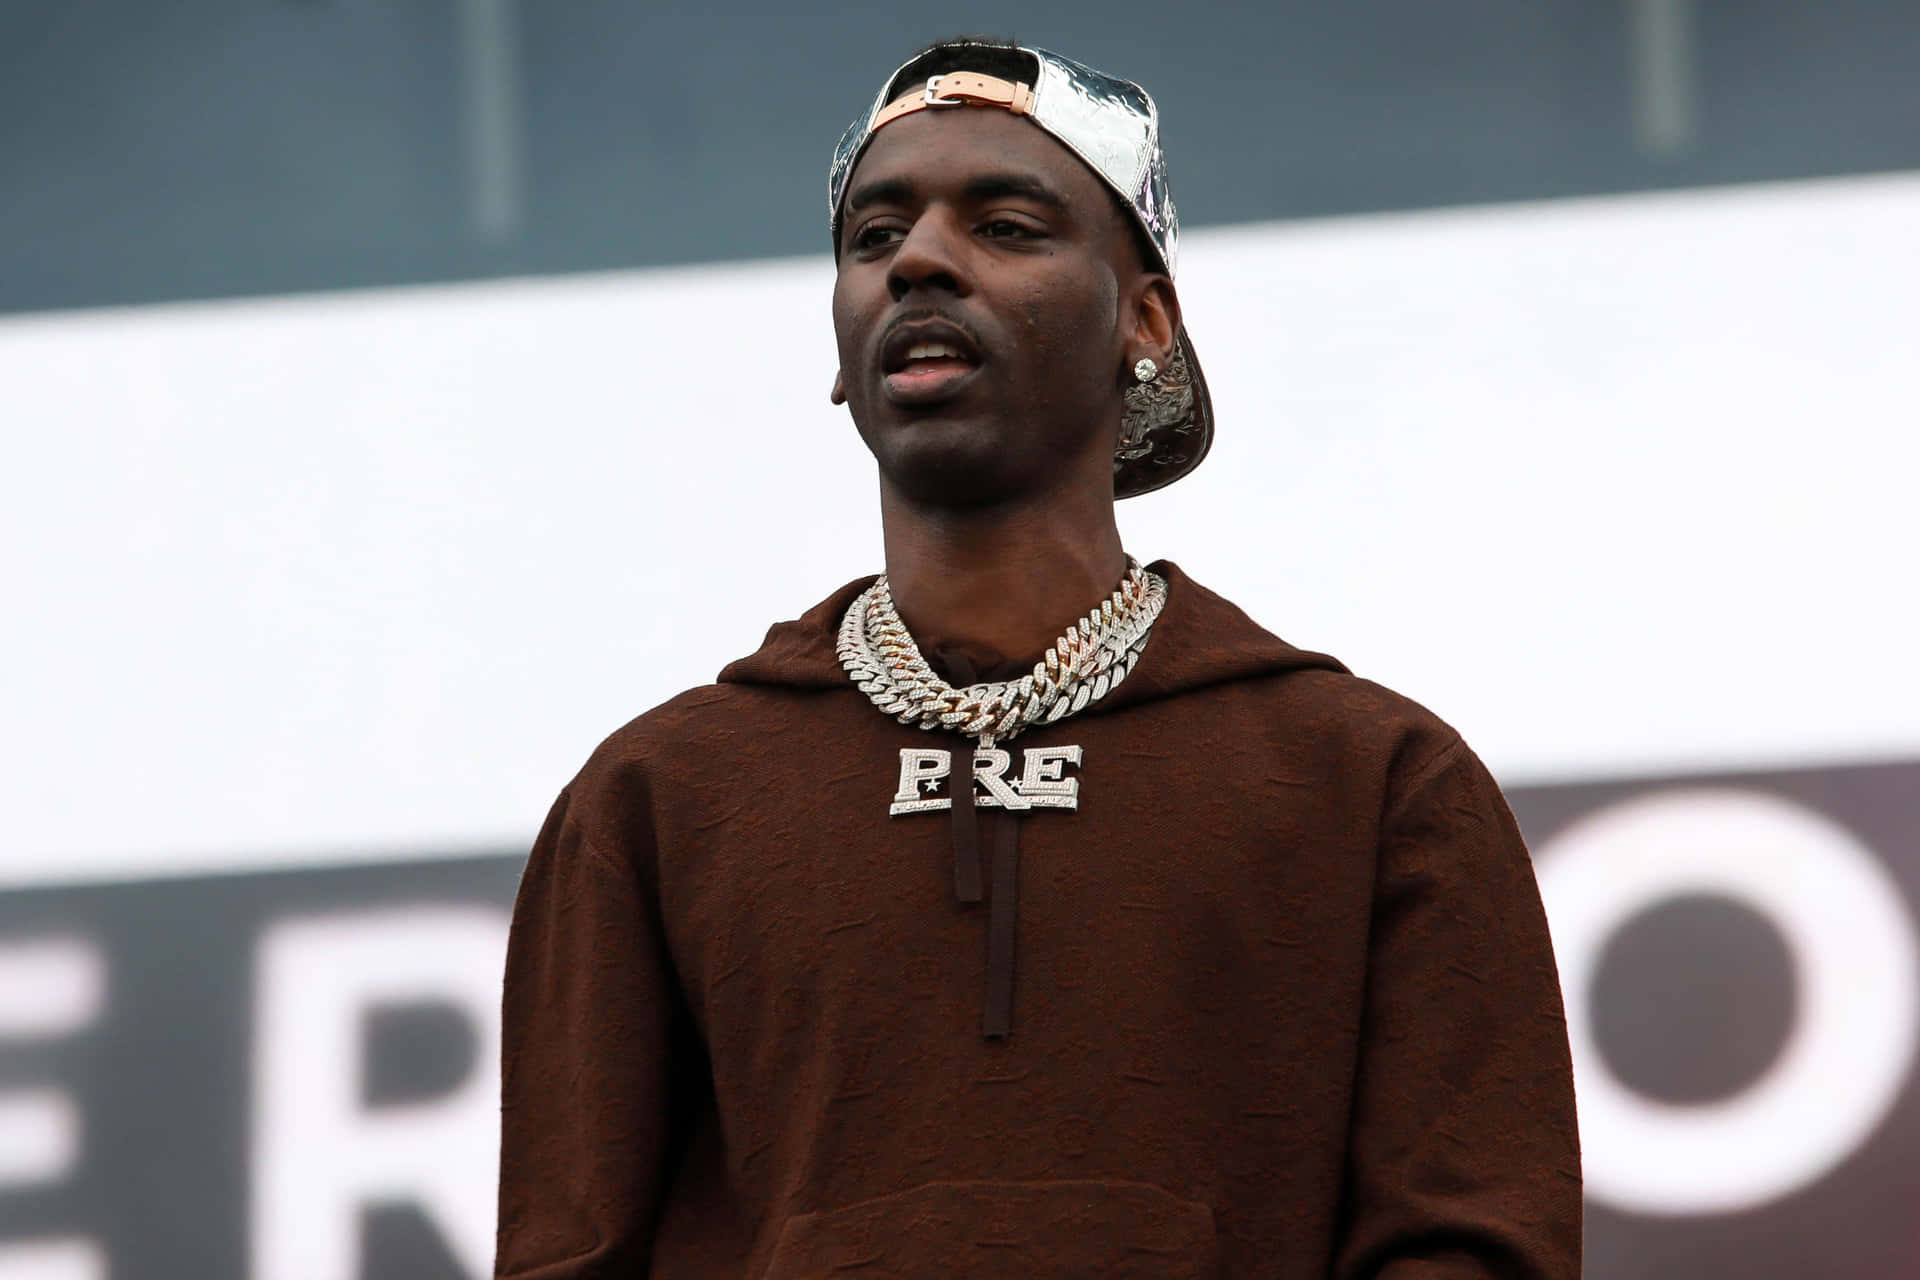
995, 185
887, 191
992, 186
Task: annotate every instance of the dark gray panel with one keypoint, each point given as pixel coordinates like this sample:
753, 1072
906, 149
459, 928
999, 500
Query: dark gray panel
163, 1081
216, 147
1853, 1223
164, 1077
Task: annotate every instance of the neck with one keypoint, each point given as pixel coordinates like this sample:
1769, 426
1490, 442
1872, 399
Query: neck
1000, 584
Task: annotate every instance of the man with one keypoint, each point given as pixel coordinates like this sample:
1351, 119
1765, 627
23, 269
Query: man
1222, 962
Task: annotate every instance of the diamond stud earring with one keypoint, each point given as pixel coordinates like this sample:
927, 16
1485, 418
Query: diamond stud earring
1145, 369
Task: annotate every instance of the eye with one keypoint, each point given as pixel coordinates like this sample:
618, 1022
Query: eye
876, 235
1007, 229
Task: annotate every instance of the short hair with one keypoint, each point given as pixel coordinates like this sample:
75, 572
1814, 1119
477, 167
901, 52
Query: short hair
1003, 58
990, 55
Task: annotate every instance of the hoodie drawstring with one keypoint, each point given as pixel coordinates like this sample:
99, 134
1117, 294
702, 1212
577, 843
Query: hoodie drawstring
1002, 922
996, 1021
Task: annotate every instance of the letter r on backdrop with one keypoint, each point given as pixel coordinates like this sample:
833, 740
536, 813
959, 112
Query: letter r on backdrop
320, 1156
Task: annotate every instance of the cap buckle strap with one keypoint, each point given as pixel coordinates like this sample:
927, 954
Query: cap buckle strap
958, 89
933, 96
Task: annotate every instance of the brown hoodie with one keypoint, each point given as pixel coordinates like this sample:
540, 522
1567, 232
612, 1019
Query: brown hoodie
1282, 999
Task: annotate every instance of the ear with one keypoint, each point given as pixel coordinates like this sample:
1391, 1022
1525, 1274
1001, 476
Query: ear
839, 393
1154, 323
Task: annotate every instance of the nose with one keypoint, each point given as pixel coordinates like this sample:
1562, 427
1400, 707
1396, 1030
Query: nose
930, 257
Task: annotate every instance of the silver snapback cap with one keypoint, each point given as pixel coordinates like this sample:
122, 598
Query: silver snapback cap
1113, 126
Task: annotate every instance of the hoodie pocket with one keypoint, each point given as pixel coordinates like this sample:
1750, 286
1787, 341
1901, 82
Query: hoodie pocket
1033, 1230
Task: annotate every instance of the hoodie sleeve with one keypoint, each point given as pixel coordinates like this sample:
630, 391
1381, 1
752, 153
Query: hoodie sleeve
587, 1044
1463, 1157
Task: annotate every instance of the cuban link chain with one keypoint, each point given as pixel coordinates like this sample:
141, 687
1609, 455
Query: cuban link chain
1082, 667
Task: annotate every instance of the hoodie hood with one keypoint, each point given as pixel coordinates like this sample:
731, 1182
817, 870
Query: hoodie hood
1200, 639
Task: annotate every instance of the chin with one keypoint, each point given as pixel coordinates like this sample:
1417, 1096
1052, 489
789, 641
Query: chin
951, 465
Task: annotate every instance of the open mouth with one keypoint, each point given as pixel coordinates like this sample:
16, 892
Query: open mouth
927, 362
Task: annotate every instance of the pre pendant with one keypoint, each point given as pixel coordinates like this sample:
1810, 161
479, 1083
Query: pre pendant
1040, 782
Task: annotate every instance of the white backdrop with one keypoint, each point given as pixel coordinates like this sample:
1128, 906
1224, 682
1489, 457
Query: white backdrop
1614, 485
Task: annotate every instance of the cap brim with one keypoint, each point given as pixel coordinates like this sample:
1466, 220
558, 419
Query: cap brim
1168, 426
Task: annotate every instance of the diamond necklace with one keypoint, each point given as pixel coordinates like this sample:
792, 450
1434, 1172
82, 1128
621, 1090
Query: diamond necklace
1083, 665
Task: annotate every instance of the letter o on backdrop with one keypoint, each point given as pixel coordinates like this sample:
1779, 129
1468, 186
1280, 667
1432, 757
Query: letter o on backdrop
1855, 957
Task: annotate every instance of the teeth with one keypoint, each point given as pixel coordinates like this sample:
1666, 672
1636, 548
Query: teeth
933, 351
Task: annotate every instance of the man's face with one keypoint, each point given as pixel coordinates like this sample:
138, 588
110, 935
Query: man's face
978, 306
